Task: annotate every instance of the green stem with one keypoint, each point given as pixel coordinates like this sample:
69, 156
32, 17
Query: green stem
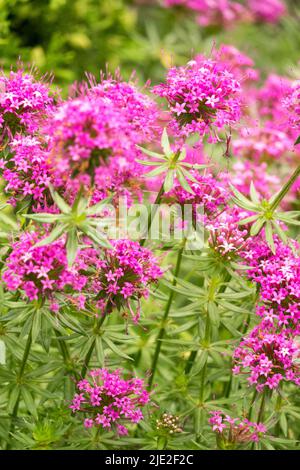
193, 354
262, 407
19, 379
204, 370
92, 347
64, 350
153, 212
285, 189
251, 404
165, 316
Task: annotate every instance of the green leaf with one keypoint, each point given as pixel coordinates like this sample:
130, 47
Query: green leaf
115, 349
54, 235
242, 200
157, 171
72, 246
200, 362
257, 226
183, 181
253, 194
247, 220
95, 236
45, 218
165, 143
159, 156
283, 424
169, 181
282, 235
297, 141
36, 324
269, 236
29, 402
213, 313
61, 204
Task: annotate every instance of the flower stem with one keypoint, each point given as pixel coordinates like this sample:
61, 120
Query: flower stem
165, 316
285, 189
91, 349
262, 407
19, 379
204, 369
64, 350
153, 212
252, 403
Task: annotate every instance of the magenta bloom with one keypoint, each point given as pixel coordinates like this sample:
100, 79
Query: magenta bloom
104, 122
232, 431
23, 102
202, 96
109, 401
278, 277
268, 358
26, 170
40, 272
269, 11
120, 275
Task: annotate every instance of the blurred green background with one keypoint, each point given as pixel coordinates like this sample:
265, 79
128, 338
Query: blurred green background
69, 37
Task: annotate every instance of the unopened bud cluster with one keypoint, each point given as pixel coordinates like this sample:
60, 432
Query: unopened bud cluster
169, 423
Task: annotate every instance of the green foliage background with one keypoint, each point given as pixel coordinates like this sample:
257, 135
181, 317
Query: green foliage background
70, 37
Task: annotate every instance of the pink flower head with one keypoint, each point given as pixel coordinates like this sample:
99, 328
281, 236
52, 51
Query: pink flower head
206, 94
119, 400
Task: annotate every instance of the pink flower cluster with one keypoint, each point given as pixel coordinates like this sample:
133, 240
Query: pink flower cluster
104, 122
225, 237
121, 274
109, 401
270, 128
209, 194
24, 101
40, 271
228, 12
201, 96
25, 170
268, 358
292, 103
278, 278
234, 430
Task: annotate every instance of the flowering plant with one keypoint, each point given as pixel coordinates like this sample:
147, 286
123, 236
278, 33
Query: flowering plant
149, 252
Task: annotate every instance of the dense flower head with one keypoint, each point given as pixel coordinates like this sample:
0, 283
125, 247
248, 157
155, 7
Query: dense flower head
24, 101
235, 430
226, 238
120, 177
270, 11
278, 278
246, 171
267, 357
122, 274
202, 96
140, 110
238, 63
263, 143
292, 103
228, 12
40, 272
104, 122
110, 401
25, 169
209, 194
268, 98
214, 12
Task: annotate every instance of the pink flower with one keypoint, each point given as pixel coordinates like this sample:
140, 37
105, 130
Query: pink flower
110, 400
201, 96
